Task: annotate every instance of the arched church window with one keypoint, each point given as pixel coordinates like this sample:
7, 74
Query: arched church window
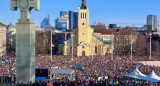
71, 49
107, 49
95, 49
81, 15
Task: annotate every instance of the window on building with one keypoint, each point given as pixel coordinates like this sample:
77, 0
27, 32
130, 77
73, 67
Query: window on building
82, 23
81, 15
95, 49
71, 49
107, 49
85, 15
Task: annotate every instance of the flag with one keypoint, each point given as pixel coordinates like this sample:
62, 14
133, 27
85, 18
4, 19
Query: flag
54, 67
136, 73
4, 64
9, 75
2, 58
117, 82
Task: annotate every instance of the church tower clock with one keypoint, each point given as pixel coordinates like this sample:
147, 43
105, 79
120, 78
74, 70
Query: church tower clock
83, 23
84, 31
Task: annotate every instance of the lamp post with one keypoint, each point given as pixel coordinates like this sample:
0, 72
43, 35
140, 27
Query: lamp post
92, 48
72, 47
71, 43
131, 46
51, 45
150, 47
1, 71
50, 41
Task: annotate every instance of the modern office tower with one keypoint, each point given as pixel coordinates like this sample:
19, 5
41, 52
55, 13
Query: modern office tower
62, 23
73, 20
62, 13
68, 20
152, 22
46, 22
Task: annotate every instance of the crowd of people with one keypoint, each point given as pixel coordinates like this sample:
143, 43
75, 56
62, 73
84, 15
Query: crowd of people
110, 71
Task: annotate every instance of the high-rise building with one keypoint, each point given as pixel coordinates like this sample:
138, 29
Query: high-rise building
73, 20
67, 17
62, 23
152, 22
46, 22
62, 13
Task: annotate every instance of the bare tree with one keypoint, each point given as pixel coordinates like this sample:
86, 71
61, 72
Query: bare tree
141, 49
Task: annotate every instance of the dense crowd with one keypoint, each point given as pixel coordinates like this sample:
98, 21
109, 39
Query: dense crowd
110, 71
91, 83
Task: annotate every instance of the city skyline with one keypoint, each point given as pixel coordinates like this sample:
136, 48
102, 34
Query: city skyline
122, 13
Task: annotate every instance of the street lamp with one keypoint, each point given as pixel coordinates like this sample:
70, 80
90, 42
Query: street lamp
51, 45
150, 46
72, 41
131, 46
92, 47
72, 47
50, 41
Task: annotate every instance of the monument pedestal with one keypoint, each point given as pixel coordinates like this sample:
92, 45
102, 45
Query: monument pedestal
25, 52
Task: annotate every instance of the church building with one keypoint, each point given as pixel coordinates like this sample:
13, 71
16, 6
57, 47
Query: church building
83, 41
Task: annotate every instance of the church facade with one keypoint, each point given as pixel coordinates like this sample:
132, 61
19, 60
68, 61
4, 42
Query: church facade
83, 41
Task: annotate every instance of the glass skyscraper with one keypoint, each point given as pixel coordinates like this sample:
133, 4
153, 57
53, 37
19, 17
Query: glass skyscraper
152, 22
73, 20
46, 22
62, 13
62, 23
68, 20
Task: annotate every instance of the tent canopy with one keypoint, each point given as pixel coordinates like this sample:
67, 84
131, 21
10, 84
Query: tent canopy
153, 77
41, 79
136, 74
80, 67
62, 71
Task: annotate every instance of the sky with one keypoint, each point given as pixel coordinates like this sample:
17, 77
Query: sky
121, 12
